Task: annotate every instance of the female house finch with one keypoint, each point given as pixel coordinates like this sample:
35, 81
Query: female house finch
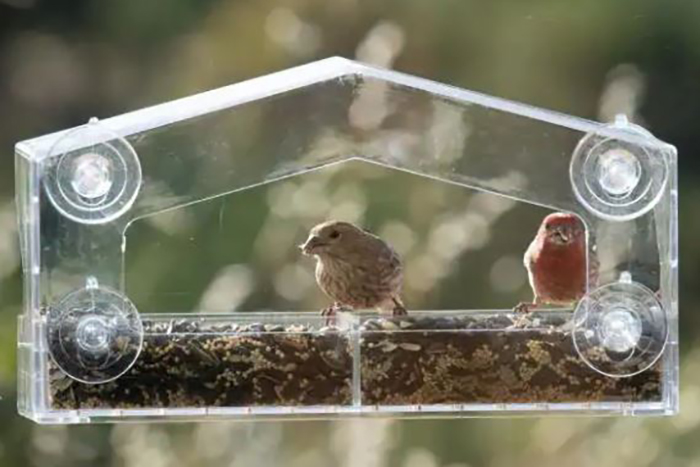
556, 262
355, 268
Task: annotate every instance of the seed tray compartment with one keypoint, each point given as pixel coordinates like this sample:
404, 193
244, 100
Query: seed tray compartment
474, 358
217, 362
293, 364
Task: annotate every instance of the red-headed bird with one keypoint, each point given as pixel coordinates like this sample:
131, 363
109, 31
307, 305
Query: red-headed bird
556, 262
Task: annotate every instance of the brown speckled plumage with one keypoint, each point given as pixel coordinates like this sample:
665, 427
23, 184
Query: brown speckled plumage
355, 268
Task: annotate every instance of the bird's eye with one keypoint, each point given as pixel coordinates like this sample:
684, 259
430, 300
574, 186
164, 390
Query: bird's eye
334, 234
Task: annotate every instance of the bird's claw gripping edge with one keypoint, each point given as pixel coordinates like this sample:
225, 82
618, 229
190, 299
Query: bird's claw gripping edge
330, 312
525, 307
399, 309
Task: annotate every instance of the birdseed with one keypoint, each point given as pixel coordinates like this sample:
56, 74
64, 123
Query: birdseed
403, 361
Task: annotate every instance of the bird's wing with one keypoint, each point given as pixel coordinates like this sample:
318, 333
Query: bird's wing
593, 270
528, 257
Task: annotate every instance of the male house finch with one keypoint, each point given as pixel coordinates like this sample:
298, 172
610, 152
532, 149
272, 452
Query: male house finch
355, 268
556, 262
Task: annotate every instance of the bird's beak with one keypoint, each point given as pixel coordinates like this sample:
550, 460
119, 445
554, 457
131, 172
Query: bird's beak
562, 236
311, 245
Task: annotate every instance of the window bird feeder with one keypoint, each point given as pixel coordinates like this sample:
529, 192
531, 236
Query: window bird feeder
143, 235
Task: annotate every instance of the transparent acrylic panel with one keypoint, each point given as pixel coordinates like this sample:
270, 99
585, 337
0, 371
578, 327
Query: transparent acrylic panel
240, 251
146, 235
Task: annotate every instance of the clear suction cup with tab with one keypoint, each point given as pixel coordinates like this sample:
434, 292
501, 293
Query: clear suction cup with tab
615, 179
95, 334
620, 329
92, 175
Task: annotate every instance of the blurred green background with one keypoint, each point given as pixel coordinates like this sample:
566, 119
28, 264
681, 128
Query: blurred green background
62, 61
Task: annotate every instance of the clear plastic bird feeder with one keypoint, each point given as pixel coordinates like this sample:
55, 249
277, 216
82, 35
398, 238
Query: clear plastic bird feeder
162, 279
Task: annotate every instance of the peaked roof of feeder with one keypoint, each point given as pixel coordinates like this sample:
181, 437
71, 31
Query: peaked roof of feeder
329, 69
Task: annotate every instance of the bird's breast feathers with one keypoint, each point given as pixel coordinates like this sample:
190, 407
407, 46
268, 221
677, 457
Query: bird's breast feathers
361, 284
557, 274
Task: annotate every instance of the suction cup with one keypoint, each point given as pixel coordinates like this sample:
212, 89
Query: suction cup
95, 334
92, 175
620, 329
617, 180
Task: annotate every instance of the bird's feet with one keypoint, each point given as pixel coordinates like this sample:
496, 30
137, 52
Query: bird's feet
524, 307
330, 312
399, 309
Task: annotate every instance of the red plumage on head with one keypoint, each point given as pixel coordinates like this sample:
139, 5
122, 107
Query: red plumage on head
561, 219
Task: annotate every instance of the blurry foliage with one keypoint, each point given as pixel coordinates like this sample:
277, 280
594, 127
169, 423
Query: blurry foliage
63, 61
239, 251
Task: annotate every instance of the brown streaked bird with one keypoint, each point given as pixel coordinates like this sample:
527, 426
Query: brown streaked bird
355, 268
556, 262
